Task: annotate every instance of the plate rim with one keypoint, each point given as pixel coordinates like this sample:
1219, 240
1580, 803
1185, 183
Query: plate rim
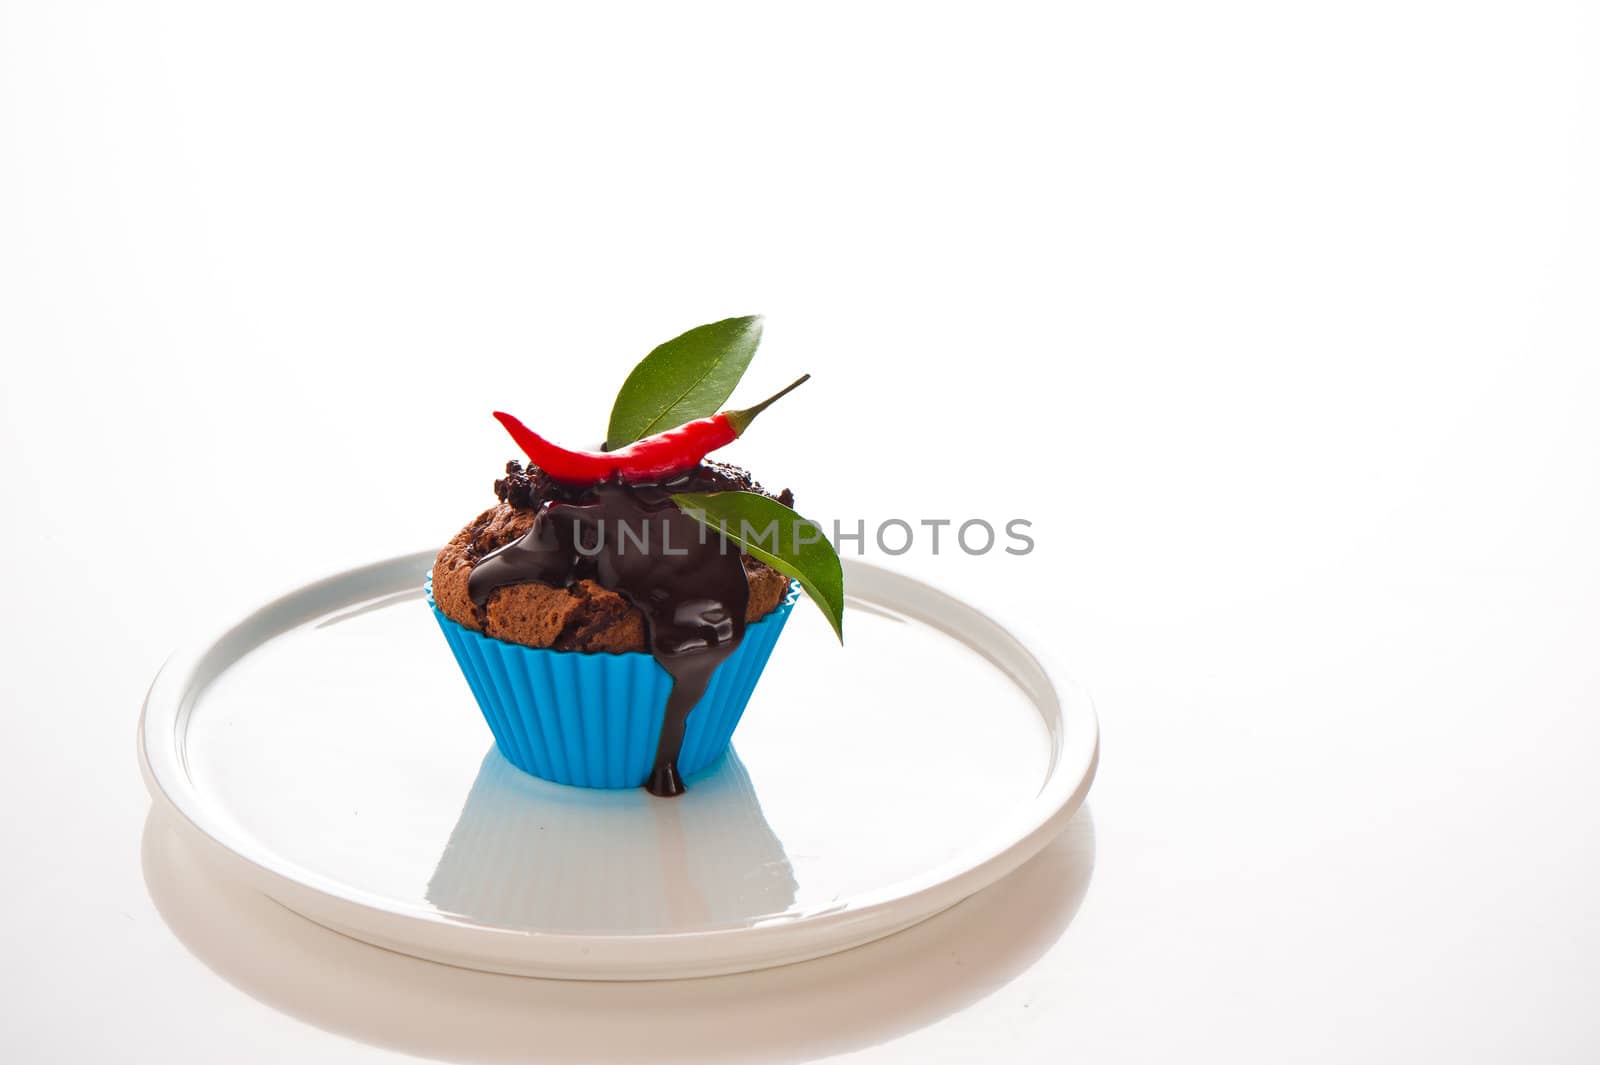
459, 941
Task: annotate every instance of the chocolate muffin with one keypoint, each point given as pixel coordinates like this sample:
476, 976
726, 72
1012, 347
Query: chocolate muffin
613, 613
582, 615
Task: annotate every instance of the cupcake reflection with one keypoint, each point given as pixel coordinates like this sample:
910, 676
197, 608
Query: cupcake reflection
526, 853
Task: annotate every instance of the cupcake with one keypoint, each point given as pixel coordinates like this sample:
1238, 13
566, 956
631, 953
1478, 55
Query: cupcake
615, 608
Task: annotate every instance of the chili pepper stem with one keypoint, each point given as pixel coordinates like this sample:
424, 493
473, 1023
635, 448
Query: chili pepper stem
741, 419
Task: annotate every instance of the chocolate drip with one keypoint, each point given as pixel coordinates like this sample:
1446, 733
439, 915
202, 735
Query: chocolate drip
634, 540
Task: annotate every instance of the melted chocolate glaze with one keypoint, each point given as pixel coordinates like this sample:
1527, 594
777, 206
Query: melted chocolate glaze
633, 540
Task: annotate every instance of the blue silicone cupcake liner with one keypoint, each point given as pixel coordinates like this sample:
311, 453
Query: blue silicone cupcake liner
593, 719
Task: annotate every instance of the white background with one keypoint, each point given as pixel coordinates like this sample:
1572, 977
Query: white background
1279, 322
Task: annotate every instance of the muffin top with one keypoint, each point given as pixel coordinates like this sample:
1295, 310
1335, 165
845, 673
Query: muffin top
581, 615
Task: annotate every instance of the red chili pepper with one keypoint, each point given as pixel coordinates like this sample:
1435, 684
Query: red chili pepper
652, 458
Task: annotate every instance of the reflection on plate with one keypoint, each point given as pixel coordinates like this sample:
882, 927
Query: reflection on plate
530, 854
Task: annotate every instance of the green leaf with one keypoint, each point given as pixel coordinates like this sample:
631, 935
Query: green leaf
688, 377
779, 537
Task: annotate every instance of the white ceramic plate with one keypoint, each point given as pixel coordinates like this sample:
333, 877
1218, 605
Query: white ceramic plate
327, 748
